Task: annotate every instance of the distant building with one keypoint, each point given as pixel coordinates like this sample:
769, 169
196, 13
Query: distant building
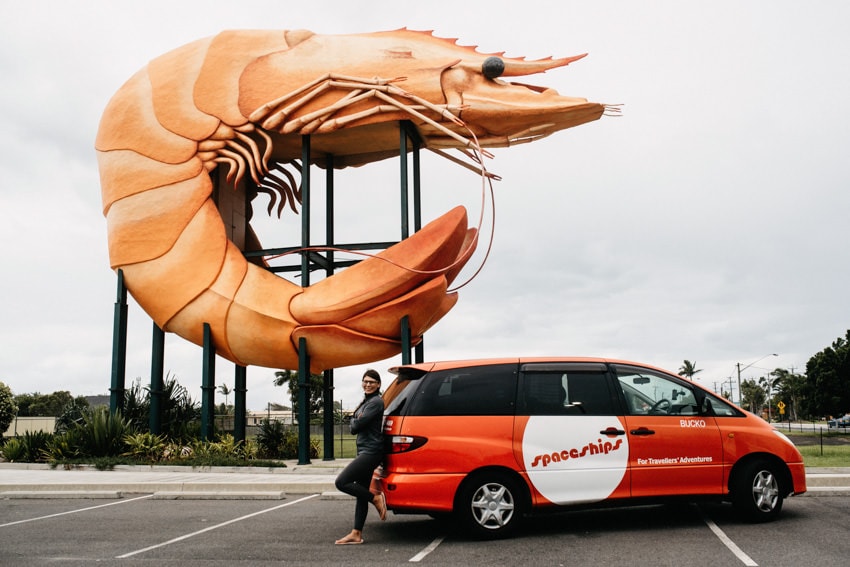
255, 418
22, 425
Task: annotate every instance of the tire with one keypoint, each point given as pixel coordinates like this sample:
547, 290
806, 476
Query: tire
757, 492
490, 505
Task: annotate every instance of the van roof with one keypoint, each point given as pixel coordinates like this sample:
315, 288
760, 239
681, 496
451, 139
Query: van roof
448, 364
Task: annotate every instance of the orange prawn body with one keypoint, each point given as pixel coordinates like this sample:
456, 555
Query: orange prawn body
236, 100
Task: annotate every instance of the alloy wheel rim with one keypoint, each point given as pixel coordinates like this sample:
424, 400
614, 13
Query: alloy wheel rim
765, 491
493, 506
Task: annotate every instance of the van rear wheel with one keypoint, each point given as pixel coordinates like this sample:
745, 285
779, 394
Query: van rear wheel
490, 505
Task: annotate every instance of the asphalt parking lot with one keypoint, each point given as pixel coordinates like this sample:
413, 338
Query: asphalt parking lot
301, 529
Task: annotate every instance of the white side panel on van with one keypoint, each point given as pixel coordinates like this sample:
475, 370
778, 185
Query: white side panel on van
569, 462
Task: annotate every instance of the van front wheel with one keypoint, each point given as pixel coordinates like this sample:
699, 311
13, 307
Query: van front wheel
490, 505
756, 492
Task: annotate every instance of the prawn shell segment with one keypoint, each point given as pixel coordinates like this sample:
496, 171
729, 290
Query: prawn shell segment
392, 273
130, 123
166, 284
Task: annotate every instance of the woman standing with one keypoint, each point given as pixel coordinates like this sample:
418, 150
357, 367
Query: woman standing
355, 479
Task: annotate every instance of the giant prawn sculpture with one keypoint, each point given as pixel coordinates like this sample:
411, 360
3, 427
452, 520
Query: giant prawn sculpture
241, 98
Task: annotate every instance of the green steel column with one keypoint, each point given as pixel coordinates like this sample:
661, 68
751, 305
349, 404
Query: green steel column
157, 382
419, 349
405, 340
240, 387
405, 227
303, 403
328, 409
305, 209
119, 347
208, 387
303, 359
417, 186
330, 237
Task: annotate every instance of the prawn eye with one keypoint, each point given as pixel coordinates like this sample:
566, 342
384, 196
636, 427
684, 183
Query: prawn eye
493, 67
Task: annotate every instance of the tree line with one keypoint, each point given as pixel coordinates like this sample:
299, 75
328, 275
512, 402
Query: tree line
823, 391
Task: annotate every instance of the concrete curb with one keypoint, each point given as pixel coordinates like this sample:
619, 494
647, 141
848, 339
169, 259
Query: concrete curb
287, 468
161, 495
34, 480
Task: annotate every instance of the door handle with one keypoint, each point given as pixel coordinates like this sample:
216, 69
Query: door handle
642, 431
612, 431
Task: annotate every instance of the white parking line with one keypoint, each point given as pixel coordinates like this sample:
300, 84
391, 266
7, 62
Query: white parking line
424, 553
215, 527
745, 559
75, 511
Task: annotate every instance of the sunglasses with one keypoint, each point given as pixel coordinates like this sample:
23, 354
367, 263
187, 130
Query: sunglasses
370, 382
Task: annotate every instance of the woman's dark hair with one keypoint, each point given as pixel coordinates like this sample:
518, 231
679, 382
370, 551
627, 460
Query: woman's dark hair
373, 374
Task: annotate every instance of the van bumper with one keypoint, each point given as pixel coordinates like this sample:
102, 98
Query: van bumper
421, 492
798, 477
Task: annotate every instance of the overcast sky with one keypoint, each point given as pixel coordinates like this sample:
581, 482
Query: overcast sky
707, 223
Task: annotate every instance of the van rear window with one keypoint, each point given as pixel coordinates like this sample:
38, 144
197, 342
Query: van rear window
475, 390
402, 388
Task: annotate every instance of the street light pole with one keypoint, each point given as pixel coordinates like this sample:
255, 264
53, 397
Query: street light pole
769, 388
740, 393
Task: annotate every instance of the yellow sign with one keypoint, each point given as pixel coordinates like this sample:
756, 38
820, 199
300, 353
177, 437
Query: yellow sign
781, 406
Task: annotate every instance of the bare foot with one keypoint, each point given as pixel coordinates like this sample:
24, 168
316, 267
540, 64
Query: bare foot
354, 538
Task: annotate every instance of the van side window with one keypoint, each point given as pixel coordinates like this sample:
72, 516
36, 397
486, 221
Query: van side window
718, 407
652, 393
566, 393
477, 390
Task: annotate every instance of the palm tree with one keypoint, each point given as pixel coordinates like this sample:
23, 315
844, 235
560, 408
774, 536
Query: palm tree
225, 391
790, 388
282, 377
316, 388
769, 384
752, 395
688, 369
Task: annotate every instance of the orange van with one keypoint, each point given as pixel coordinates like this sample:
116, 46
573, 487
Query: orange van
490, 441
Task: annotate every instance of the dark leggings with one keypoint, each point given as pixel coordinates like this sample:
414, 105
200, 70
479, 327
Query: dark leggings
355, 480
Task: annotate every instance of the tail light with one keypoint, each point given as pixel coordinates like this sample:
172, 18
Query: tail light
404, 443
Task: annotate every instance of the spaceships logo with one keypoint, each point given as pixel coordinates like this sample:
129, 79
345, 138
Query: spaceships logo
598, 448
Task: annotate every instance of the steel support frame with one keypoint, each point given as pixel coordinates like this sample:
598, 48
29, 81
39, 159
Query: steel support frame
119, 347
240, 389
408, 137
208, 387
157, 385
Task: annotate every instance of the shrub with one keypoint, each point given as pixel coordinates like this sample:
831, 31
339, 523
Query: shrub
14, 450
64, 446
72, 414
180, 414
271, 439
8, 409
277, 441
173, 451
145, 446
102, 433
31, 447
136, 409
249, 450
